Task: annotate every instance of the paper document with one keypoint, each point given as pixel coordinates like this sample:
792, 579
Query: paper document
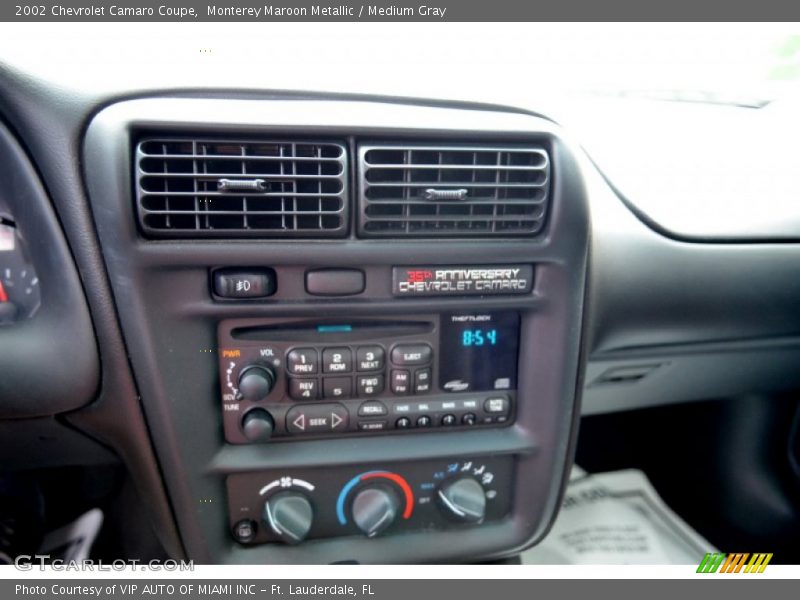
617, 518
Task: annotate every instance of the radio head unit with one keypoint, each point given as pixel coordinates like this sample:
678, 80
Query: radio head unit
303, 378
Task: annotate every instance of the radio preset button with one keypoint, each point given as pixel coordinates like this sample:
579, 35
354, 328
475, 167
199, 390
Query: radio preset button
412, 354
372, 409
401, 382
370, 358
337, 387
317, 418
337, 360
302, 361
303, 389
370, 385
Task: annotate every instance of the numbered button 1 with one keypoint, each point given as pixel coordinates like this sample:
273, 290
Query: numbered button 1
370, 385
370, 358
302, 361
337, 360
303, 389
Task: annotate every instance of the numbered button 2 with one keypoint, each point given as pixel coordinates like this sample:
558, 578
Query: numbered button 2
337, 360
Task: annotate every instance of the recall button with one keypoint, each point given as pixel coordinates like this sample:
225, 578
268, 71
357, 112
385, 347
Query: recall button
372, 409
412, 354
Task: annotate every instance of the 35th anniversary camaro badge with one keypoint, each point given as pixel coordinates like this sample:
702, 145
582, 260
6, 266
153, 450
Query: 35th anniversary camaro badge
462, 280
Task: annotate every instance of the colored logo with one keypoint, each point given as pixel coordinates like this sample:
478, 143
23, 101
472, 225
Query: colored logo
719, 562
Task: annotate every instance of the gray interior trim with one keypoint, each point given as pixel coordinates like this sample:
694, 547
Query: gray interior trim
168, 317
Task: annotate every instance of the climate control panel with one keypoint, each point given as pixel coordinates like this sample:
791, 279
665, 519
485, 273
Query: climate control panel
295, 505
303, 378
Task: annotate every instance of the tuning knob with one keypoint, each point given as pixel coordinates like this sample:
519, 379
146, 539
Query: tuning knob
258, 425
289, 515
463, 499
375, 508
256, 382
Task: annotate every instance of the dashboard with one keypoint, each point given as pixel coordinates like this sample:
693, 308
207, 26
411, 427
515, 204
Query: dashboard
327, 328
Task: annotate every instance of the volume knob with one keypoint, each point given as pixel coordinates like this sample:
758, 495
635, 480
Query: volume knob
289, 515
256, 382
463, 499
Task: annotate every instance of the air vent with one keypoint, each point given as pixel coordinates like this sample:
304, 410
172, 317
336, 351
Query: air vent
257, 188
453, 191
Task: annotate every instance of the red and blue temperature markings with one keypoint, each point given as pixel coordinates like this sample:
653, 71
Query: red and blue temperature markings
369, 475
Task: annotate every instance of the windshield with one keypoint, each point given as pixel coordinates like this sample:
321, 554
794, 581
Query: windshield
744, 64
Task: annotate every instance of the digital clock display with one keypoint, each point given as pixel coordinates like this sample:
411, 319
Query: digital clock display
479, 351
479, 337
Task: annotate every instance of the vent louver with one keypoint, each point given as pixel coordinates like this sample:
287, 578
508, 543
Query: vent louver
454, 191
256, 188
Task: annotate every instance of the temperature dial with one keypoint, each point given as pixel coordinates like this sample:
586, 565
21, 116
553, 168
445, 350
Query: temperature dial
377, 499
256, 382
463, 499
375, 508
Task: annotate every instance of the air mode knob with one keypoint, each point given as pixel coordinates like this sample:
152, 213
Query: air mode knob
375, 508
256, 382
463, 499
289, 515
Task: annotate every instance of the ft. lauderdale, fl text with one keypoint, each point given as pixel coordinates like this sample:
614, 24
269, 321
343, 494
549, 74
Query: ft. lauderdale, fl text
322, 590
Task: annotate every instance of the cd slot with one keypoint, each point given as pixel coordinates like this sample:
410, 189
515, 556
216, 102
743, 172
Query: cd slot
331, 331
